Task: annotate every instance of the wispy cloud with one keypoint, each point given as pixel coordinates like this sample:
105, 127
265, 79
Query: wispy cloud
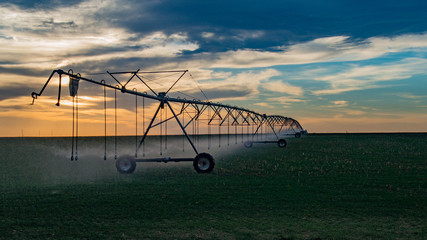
329, 49
264, 105
249, 81
355, 112
411, 96
286, 100
340, 103
279, 86
357, 77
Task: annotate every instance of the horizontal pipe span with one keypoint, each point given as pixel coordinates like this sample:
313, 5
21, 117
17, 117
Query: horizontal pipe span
165, 160
263, 141
164, 98
159, 98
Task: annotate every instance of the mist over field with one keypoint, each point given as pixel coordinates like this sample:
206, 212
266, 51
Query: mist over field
48, 160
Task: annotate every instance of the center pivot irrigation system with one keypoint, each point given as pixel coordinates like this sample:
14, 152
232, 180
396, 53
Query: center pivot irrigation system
255, 127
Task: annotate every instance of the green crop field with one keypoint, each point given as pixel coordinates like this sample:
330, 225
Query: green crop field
322, 186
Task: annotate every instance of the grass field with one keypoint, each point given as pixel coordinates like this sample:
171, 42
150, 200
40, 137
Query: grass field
322, 186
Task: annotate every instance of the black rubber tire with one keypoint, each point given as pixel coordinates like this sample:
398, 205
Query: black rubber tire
203, 163
297, 135
126, 164
248, 144
281, 143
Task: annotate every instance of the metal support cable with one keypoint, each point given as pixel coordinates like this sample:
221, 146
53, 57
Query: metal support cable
146, 85
72, 136
162, 85
209, 129
115, 124
75, 129
243, 128
198, 131
183, 136
194, 130
247, 132
77, 126
161, 131
105, 122
199, 87
252, 133
130, 79
219, 135
228, 130
177, 81
111, 74
235, 134
149, 126
143, 124
136, 125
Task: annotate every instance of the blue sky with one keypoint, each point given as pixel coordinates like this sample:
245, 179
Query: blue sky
336, 66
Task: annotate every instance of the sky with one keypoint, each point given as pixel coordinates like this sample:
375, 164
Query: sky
334, 65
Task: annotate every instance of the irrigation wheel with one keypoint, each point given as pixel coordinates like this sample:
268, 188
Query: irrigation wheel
126, 164
248, 144
297, 135
203, 163
281, 143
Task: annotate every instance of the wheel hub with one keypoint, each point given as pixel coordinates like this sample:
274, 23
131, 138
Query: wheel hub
203, 164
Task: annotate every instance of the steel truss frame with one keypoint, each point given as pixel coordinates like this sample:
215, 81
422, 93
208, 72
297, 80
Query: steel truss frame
222, 114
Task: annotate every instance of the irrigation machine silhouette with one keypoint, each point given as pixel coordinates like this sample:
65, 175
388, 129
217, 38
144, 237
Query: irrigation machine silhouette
214, 115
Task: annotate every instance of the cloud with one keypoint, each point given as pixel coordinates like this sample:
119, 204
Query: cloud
221, 86
279, 86
208, 34
328, 49
354, 112
52, 38
410, 96
264, 104
286, 100
356, 77
339, 90
80, 33
248, 81
246, 34
11, 91
76, 34
340, 103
